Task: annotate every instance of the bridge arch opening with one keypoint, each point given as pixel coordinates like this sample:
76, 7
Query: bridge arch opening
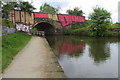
46, 27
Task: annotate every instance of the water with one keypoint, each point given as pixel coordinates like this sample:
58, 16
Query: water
84, 57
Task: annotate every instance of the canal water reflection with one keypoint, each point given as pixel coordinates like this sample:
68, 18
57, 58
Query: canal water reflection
84, 57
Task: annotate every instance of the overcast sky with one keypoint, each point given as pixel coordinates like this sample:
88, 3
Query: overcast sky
86, 5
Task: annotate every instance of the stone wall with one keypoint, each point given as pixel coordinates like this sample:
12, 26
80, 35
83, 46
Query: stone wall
7, 30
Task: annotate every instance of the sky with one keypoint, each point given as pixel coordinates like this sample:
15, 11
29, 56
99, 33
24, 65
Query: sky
85, 5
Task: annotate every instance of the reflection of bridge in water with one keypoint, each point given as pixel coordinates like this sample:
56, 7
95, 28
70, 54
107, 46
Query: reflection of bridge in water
50, 23
68, 48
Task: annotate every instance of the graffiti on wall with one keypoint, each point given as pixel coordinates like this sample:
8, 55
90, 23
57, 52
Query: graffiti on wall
22, 28
21, 17
30, 18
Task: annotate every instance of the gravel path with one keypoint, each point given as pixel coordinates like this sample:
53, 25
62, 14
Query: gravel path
36, 60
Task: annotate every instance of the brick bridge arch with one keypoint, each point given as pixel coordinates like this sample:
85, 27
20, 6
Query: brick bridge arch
45, 26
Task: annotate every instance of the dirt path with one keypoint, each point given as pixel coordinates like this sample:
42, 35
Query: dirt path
36, 60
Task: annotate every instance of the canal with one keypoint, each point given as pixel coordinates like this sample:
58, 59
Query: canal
85, 57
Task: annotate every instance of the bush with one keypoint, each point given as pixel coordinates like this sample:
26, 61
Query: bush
7, 23
100, 20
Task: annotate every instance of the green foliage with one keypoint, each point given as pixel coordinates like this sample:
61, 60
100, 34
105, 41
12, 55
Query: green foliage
34, 30
113, 26
100, 20
78, 29
6, 9
24, 6
1, 3
86, 24
46, 8
113, 33
11, 45
7, 23
83, 31
76, 11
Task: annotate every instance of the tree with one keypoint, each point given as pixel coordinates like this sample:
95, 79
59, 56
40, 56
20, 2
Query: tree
7, 7
46, 8
100, 19
76, 11
24, 6
1, 3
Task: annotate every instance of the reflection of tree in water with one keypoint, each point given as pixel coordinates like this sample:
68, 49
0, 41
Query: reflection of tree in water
99, 50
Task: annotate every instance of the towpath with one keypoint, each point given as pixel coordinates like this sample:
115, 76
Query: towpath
36, 60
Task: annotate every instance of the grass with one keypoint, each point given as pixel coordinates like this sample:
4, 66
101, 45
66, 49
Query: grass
11, 45
78, 31
113, 26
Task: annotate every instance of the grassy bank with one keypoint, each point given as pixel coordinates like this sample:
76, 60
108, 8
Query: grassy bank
84, 31
79, 31
11, 45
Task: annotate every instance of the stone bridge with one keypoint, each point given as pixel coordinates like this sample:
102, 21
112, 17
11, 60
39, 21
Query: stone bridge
49, 23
